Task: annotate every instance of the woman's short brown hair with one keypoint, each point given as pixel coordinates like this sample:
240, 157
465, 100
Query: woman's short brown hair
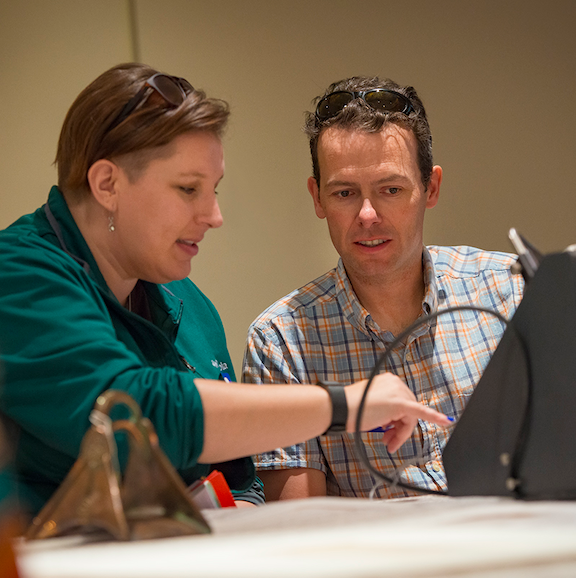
85, 137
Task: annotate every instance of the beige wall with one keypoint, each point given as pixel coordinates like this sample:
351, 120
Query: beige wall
497, 77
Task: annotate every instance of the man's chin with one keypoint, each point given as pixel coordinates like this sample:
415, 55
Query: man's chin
366, 269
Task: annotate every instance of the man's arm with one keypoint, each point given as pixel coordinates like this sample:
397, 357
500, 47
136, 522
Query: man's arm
293, 484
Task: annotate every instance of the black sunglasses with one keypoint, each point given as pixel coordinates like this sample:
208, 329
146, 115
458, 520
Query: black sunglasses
379, 99
172, 89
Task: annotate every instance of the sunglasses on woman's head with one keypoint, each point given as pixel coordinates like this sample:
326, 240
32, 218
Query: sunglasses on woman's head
172, 89
379, 99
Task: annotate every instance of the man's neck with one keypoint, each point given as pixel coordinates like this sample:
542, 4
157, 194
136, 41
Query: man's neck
394, 304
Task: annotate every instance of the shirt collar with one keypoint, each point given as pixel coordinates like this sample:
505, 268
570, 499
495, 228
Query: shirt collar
430, 301
353, 310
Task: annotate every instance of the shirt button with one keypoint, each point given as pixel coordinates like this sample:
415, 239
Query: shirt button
408, 356
436, 467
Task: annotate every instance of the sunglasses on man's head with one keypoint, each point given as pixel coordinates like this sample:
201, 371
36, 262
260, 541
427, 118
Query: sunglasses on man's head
172, 89
379, 99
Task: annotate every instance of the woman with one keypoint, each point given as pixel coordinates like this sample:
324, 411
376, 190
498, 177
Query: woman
94, 295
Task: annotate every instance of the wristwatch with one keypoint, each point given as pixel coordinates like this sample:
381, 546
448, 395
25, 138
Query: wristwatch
339, 407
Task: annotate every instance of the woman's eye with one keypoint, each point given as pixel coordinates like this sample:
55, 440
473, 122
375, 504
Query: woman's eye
187, 190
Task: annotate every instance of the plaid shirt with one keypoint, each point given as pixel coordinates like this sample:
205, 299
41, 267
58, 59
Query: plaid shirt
322, 332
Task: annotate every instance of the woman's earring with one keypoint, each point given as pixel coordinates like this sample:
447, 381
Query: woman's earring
111, 227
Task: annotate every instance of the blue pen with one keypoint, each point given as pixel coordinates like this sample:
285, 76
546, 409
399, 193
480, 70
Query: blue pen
382, 429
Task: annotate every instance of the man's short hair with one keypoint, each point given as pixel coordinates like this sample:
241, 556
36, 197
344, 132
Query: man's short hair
358, 115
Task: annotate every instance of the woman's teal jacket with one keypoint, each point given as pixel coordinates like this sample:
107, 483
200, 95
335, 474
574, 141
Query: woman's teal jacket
65, 338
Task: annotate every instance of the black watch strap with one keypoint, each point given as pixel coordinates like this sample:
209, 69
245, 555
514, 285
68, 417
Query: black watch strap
339, 407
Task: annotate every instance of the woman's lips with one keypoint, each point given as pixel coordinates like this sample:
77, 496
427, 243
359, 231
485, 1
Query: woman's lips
190, 247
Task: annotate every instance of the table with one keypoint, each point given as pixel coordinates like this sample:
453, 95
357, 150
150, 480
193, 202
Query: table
432, 536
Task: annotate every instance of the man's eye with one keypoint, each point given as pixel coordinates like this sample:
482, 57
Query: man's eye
187, 190
344, 194
394, 190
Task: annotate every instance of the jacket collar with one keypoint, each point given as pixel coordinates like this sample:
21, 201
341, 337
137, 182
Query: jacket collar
69, 238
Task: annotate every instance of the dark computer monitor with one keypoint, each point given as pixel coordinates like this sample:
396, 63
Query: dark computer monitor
516, 436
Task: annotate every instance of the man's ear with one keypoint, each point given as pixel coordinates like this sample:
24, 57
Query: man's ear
315, 192
103, 178
433, 191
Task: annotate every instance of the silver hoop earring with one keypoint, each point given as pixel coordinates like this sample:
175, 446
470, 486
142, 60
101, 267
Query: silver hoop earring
111, 227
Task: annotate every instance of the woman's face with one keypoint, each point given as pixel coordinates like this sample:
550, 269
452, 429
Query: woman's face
163, 213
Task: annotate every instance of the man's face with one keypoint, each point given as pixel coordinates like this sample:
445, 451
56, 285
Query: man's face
372, 196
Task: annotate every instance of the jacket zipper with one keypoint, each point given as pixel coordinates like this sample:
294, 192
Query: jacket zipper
188, 366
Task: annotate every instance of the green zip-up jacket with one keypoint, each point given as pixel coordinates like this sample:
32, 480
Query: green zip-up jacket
65, 338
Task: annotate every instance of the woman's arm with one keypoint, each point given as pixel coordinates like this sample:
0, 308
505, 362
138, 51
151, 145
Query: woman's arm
243, 419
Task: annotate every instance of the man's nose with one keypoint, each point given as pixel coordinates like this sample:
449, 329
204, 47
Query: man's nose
368, 215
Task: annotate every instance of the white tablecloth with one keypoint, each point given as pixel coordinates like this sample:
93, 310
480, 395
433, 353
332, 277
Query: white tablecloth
338, 537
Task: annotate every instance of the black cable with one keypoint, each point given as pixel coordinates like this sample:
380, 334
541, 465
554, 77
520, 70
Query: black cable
376, 370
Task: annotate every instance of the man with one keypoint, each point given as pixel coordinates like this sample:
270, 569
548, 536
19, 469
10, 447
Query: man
373, 180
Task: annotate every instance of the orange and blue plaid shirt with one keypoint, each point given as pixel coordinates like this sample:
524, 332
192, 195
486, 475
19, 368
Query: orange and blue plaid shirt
321, 332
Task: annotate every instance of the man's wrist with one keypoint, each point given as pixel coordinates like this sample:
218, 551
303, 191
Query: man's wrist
339, 407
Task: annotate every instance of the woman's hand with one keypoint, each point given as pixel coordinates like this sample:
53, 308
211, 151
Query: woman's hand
389, 403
